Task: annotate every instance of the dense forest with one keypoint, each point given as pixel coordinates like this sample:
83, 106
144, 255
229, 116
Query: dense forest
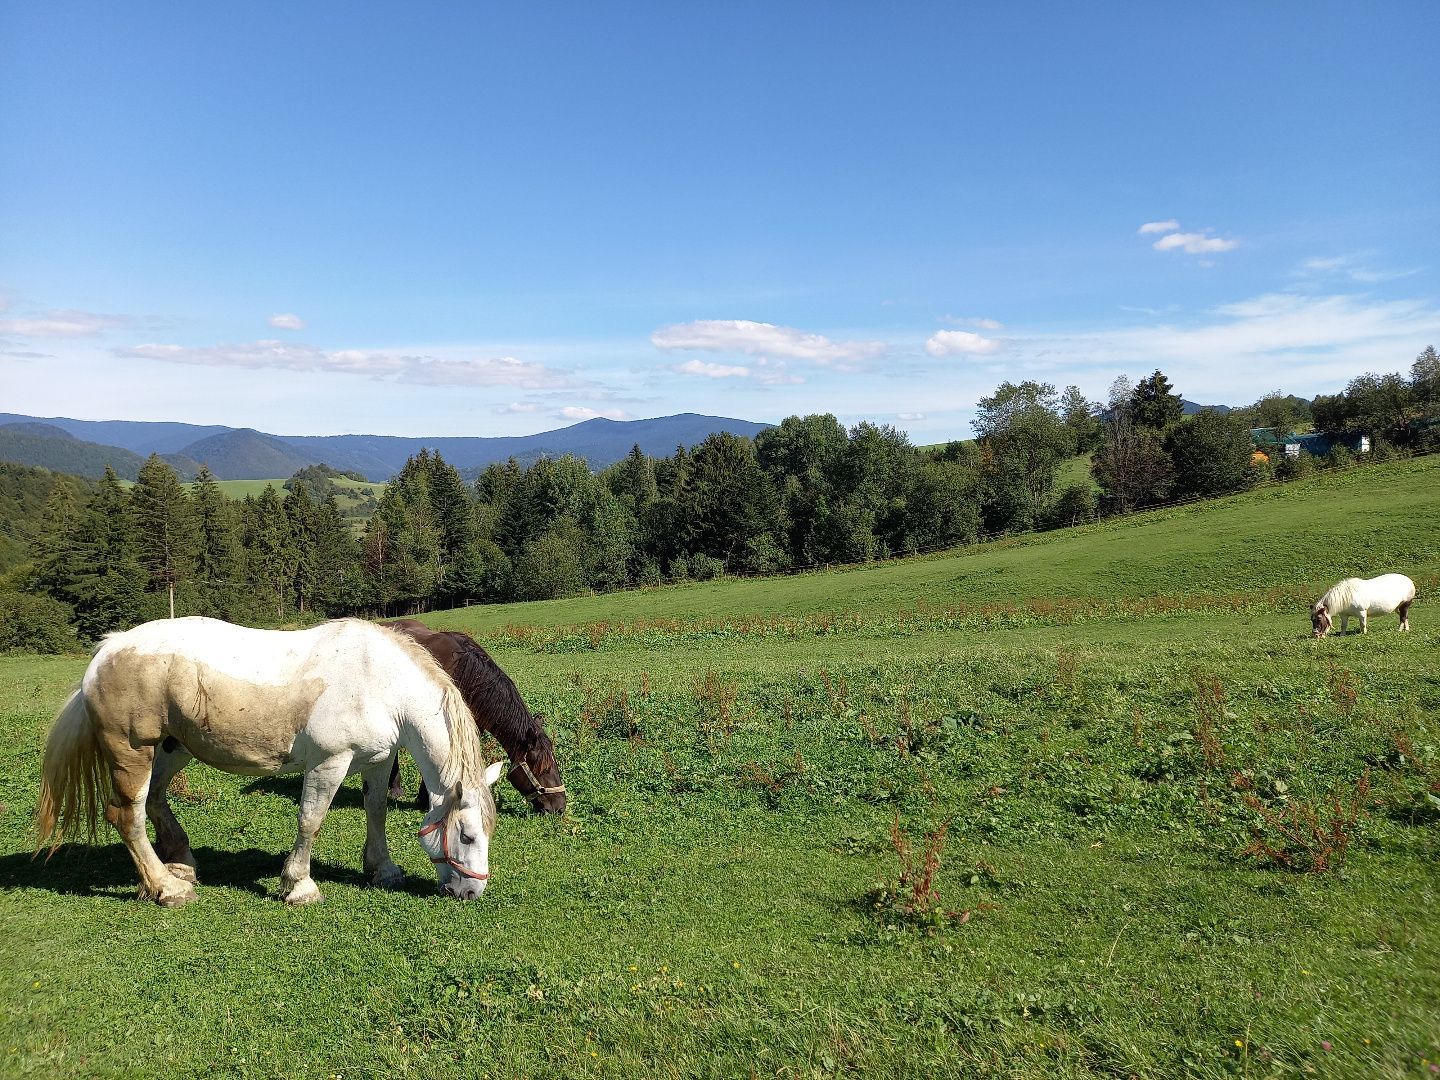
86, 558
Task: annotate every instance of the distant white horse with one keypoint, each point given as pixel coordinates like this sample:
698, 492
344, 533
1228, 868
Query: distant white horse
1363, 597
327, 702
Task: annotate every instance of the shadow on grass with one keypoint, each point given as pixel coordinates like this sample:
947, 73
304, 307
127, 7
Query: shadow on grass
290, 787
108, 871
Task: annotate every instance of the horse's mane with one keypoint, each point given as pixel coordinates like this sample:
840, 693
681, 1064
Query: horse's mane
492, 694
465, 767
1340, 595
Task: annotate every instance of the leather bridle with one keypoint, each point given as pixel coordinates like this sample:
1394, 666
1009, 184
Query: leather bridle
444, 856
537, 789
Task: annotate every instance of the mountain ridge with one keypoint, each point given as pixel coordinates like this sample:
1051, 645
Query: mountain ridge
250, 454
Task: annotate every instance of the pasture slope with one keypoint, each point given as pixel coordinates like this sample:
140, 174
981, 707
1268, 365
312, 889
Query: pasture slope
1089, 711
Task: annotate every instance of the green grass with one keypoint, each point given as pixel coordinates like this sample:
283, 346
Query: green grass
354, 490
704, 908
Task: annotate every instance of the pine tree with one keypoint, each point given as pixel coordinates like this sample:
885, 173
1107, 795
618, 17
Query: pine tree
165, 533
217, 552
1153, 405
107, 584
269, 549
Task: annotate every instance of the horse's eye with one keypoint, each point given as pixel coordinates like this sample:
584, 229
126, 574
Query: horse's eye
466, 838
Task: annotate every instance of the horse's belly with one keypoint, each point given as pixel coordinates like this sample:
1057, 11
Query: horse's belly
238, 726
234, 748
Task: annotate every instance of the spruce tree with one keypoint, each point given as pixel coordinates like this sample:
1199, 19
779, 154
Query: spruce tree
165, 533
218, 570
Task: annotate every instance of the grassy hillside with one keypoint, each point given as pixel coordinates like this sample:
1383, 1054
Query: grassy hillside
352, 492
1085, 714
1297, 538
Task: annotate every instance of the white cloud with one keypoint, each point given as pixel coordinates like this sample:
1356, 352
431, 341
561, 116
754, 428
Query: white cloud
960, 342
1194, 243
287, 321
761, 339
713, 371
1158, 227
520, 407
419, 370
580, 412
1307, 344
62, 324
910, 416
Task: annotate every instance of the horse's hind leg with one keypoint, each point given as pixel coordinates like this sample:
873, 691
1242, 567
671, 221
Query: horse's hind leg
1404, 610
379, 868
171, 842
130, 772
321, 783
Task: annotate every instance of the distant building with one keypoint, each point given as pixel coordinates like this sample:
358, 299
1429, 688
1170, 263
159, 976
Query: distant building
1315, 443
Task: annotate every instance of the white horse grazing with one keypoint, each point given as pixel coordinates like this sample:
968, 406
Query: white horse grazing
330, 701
1363, 597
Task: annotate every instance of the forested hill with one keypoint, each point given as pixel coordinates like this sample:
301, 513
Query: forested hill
246, 454
50, 447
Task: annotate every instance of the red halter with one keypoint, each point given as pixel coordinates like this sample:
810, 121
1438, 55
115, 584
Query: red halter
445, 850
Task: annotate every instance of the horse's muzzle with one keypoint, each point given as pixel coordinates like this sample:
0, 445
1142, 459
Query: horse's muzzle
463, 889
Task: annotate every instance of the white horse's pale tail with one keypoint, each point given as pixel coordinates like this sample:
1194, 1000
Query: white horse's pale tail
1363, 597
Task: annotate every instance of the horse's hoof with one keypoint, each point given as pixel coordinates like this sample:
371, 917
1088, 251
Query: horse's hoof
388, 877
184, 871
171, 896
303, 892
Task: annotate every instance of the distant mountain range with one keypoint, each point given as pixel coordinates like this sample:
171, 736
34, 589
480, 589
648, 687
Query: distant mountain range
85, 447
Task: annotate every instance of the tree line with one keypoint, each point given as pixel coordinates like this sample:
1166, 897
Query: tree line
808, 492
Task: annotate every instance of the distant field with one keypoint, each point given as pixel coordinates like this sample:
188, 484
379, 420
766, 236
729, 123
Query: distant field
238, 489
1085, 712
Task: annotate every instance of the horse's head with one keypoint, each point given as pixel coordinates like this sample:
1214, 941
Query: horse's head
456, 835
1319, 619
536, 775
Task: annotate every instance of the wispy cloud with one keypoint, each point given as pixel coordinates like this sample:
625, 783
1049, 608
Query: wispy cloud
1356, 267
960, 343
519, 407
910, 416
62, 324
978, 323
1194, 243
761, 339
1236, 351
419, 370
581, 412
708, 370
287, 321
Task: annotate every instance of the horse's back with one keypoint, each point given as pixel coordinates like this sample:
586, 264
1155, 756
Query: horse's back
237, 698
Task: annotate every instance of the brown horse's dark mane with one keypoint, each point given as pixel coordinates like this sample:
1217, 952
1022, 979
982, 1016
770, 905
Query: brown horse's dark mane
492, 695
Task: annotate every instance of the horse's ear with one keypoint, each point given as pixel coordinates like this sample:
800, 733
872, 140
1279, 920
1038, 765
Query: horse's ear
493, 771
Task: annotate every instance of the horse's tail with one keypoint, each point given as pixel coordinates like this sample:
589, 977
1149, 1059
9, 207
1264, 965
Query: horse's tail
74, 783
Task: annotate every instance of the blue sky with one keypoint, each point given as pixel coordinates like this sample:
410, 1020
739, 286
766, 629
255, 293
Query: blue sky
472, 219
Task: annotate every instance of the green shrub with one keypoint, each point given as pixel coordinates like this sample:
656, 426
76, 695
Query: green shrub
35, 624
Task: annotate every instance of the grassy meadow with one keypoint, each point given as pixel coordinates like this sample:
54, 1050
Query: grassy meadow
1172, 835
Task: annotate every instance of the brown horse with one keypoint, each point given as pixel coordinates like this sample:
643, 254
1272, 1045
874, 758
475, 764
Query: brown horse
498, 709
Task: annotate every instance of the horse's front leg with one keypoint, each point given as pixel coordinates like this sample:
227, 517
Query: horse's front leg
379, 868
1364, 622
318, 791
171, 842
